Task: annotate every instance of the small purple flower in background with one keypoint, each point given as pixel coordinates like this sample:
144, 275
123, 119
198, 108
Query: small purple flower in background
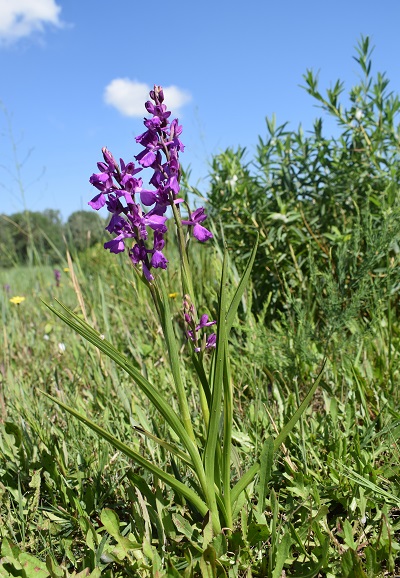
57, 276
7, 288
192, 333
141, 232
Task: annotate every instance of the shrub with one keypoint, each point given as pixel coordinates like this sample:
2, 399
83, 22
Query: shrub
326, 208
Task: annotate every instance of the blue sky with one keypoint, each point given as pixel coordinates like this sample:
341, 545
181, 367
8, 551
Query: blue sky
74, 75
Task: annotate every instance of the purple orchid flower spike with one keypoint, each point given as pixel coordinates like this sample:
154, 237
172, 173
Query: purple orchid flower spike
138, 220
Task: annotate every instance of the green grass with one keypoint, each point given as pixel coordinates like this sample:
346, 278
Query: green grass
328, 505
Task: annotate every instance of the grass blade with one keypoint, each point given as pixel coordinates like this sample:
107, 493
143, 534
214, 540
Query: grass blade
167, 446
266, 462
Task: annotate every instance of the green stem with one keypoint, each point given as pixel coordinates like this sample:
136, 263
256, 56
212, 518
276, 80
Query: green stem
210, 451
204, 389
186, 272
227, 448
160, 297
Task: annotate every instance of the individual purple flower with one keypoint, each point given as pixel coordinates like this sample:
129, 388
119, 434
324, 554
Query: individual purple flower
158, 260
211, 341
204, 322
57, 276
116, 245
200, 232
97, 202
147, 157
175, 131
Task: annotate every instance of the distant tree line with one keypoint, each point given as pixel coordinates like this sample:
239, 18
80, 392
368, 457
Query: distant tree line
29, 237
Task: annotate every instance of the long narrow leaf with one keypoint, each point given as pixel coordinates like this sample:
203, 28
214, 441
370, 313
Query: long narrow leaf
240, 289
167, 446
176, 485
154, 395
215, 413
376, 490
227, 447
266, 462
170, 341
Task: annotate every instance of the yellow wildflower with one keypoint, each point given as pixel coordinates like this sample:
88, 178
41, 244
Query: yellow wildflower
17, 300
172, 295
66, 269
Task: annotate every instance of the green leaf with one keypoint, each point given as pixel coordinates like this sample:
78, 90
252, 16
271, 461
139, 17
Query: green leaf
54, 569
177, 486
24, 562
12, 429
208, 563
208, 533
184, 527
389, 498
351, 565
258, 533
171, 344
110, 522
371, 562
32, 566
10, 550
282, 554
266, 462
227, 440
233, 307
348, 535
216, 401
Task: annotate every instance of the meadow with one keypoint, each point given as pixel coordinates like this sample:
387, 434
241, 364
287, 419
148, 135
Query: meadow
130, 447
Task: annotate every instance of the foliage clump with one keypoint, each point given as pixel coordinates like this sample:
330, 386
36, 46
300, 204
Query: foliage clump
326, 207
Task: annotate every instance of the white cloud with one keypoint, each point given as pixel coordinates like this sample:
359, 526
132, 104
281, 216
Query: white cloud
128, 96
19, 18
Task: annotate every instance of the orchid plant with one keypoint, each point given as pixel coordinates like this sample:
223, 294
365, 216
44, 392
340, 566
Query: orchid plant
138, 225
